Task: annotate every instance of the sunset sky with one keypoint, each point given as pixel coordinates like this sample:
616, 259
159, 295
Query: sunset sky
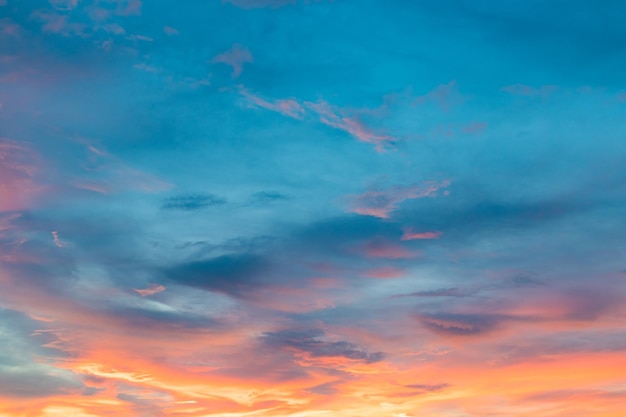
312, 208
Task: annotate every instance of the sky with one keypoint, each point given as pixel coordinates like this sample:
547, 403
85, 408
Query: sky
311, 208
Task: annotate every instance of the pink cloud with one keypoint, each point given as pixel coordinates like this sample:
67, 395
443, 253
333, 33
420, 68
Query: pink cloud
445, 95
99, 12
287, 107
18, 167
64, 5
377, 248
235, 57
59, 24
384, 272
339, 120
151, 290
380, 203
409, 234
57, 241
129, 7
327, 114
104, 174
474, 128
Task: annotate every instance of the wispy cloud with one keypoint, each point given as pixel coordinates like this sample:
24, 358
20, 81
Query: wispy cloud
351, 124
410, 234
347, 121
151, 290
381, 203
235, 57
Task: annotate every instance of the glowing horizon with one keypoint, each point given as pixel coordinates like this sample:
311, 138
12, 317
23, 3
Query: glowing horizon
310, 208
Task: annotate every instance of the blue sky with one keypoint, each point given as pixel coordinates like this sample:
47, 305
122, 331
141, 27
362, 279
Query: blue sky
299, 208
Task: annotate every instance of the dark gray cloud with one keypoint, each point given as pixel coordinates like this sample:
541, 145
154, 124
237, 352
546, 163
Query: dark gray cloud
234, 275
462, 324
428, 387
441, 292
267, 197
191, 202
311, 341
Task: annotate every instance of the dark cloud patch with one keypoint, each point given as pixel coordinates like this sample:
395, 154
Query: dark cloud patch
235, 245
526, 281
234, 275
441, 292
428, 387
323, 389
267, 197
191, 202
589, 304
468, 215
311, 341
462, 324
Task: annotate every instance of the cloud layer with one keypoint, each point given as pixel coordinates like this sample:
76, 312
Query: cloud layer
312, 208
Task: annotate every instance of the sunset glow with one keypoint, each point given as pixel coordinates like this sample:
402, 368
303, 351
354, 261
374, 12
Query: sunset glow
312, 208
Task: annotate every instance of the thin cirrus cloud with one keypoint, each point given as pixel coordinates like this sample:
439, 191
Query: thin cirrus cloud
381, 203
326, 114
236, 57
330, 226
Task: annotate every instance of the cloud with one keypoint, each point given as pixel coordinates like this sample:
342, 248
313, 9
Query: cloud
191, 202
287, 107
64, 5
234, 275
267, 197
381, 203
151, 290
338, 119
462, 324
9, 28
441, 292
384, 272
341, 119
446, 96
19, 167
428, 387
236, 57
23, 373
380, 248
409, 234
313, 344
57, 241
59, 24
168, 30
